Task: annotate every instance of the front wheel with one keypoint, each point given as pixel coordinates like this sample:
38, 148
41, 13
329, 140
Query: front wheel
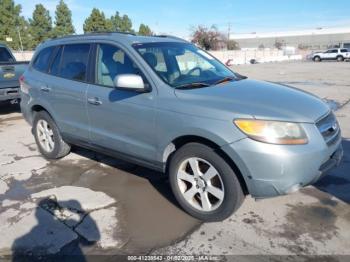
204, 184
340, 59
48, 137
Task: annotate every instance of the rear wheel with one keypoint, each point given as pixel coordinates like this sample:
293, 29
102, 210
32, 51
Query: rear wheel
48, 138
203, 183
317, 59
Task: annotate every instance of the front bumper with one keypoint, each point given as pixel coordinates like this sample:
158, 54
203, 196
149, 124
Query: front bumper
272, 170
9, 93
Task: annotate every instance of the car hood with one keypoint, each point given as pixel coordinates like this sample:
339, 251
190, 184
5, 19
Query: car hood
257, 99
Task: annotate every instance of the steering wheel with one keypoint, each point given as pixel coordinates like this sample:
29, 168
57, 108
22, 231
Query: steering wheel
194, 69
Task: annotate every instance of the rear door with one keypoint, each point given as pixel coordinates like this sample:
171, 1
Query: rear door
122, 121
39, 78
68, 83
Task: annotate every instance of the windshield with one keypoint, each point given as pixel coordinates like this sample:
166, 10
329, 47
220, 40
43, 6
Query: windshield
5, 55
180, 64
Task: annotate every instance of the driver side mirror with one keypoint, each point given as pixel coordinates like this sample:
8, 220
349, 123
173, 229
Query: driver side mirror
129, 82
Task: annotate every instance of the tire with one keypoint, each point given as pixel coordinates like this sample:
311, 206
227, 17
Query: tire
227, 186
317, 59
340, 58
56, 148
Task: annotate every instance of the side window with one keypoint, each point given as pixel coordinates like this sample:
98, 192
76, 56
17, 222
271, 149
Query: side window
5, 55
344, 50
55, 66
112, 61
42, 60
74, 62
335, 51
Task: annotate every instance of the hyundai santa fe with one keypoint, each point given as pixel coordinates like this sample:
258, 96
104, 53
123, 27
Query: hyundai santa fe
165, 104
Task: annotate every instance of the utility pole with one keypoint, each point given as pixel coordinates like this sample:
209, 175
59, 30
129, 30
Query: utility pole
228, 31
228, 34
20, 39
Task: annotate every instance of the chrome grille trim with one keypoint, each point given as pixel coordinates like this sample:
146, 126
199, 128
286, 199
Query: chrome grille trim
329, 128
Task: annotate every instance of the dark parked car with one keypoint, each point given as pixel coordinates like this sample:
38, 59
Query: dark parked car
10, 72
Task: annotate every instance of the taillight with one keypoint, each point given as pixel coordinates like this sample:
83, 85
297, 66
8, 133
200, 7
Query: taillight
21, 79
23, 86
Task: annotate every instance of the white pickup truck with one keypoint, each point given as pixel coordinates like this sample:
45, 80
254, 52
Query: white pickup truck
339, 54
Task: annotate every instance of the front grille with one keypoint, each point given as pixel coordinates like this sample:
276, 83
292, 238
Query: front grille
329, 128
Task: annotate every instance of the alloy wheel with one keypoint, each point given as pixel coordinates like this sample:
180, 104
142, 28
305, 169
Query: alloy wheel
200, 184
45, 136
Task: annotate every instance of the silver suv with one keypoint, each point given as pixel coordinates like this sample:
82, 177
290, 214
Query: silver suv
163, 103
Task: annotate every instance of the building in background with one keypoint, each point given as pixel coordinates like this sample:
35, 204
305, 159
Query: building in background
314, 39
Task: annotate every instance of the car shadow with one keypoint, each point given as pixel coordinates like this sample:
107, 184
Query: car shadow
337, 181
158, 180
8, 108
43, 242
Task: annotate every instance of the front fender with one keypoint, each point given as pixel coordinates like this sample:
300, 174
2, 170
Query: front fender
219, 132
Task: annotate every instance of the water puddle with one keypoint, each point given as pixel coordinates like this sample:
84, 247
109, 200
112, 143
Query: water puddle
146, 206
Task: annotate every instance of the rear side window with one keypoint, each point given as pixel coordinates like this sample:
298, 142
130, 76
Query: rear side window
55, 66
344, 50
42, 60
74, 62
5, 55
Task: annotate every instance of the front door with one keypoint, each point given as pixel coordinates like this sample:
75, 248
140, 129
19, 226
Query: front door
120, 120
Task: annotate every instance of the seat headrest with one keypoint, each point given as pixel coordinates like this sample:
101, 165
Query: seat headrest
104, 69
151, 59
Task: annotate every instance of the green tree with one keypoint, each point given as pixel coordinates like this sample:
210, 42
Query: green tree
145, 30
63, 20
97, 22
126, 24
40, 25
23, 30
10, 23
116, 21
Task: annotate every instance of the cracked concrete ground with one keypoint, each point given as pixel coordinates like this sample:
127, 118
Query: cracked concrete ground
88, 203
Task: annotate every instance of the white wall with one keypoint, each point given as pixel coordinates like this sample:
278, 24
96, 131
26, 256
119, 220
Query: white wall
261, 56
23, 56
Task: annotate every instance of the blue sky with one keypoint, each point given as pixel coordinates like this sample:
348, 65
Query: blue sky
179, 16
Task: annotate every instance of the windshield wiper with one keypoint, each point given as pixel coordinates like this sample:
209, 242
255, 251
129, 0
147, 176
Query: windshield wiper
240, 77
225, 79
192, 85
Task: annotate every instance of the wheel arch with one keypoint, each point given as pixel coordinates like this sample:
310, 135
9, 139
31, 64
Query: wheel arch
37, 108
185, 139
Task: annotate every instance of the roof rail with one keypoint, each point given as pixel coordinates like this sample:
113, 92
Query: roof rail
93, 34
171, 36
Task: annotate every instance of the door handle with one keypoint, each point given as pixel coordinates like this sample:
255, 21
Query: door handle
94, 101
45, 89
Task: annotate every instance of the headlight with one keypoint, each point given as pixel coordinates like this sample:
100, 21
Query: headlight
273, 132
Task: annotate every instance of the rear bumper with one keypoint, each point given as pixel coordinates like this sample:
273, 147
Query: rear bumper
273, 170
9, 93
25, 108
